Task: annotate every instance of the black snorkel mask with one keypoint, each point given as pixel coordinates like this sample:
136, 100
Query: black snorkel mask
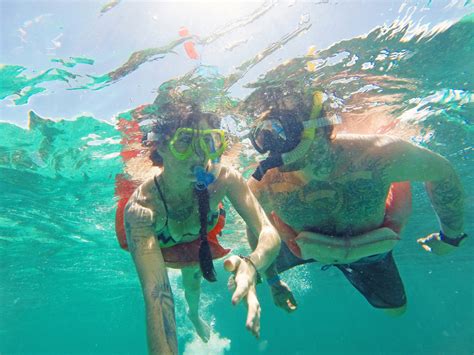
278, 134
286, 137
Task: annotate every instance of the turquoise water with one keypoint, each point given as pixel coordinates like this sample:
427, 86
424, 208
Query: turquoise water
66, 286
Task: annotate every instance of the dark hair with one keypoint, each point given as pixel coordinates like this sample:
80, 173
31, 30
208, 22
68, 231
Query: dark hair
205, 256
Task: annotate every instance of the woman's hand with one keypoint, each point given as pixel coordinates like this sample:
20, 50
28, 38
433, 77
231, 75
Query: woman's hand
243, 282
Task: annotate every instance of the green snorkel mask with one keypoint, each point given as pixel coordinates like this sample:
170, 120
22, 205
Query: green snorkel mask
185, 140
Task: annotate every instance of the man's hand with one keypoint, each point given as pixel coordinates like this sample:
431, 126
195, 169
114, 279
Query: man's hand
283, 297
433, 244
323, 248
243, 282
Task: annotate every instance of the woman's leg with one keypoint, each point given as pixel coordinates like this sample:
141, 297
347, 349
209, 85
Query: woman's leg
192, 291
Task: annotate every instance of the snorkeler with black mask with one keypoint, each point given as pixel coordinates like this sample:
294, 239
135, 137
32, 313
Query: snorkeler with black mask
286, 137
343, 199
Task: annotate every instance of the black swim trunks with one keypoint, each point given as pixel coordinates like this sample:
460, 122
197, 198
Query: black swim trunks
377, 279
287, 260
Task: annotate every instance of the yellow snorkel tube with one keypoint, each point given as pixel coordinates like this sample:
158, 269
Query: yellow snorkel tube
309, 131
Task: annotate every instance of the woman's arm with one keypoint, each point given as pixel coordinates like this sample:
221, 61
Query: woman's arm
281, 293
157, 293
245, 203
265, 252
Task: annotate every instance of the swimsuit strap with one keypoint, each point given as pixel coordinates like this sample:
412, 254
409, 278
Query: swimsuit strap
211, 221
162, 199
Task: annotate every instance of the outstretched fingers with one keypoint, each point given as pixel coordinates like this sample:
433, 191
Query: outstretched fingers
253, 313
291, 303
241, 280
242, 287
242, 283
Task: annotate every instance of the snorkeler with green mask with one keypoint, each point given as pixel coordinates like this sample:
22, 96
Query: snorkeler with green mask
174, 218
343, 199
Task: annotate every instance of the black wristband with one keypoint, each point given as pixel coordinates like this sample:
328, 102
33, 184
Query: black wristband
248, 260
455, 242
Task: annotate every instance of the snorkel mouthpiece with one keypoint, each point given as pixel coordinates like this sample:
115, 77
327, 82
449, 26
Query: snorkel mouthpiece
272, 161
203, 178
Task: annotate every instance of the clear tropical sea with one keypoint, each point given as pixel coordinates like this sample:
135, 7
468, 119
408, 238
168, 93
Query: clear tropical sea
396, 67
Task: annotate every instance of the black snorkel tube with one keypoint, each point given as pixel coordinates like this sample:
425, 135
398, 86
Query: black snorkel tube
274, 160
203, 180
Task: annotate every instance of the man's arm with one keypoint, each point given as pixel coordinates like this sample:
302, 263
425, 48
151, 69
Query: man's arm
245, 203
336, 250
408, 162
157, 293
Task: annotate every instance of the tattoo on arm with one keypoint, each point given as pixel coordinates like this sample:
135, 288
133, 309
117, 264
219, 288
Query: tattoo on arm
163, 295
138, 243
448, 201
